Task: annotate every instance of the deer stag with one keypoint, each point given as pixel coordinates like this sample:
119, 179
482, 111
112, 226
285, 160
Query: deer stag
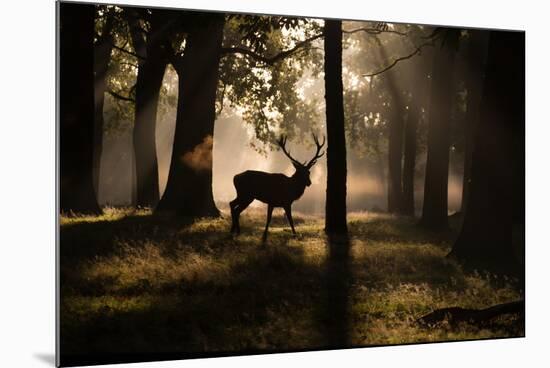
276, 190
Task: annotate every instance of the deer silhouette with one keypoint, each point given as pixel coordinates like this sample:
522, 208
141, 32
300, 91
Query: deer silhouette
276, 190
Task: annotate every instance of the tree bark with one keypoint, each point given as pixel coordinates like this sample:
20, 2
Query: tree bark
380, 167
473, 69
496, 196
102, 57
419, 91
189, 187
435, 206
409, 159
151, 69
395, 138
149, 82
395, 152
335, 214
76, 108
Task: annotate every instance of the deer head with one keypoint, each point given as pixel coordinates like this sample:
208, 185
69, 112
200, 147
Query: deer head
302, 169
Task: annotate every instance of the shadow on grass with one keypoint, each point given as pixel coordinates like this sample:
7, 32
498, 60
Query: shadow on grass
338, 283
267, 301
168, 288
396, 229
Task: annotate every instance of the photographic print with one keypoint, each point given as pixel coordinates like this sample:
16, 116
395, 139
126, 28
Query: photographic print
234, 184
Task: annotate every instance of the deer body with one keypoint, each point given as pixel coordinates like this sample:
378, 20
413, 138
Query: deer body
276, 190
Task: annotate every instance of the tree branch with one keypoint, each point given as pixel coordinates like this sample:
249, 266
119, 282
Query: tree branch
272, 59
129, 64
374, 31
127, 52
120, 97
417, 51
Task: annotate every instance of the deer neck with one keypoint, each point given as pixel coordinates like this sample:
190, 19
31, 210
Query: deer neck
298, 186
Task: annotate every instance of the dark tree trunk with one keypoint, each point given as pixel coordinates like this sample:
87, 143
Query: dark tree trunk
335, 215
418, 101
102, 57
395, 139
76, 108
381, 171
149, 82
133, 180
189, 187
152, 66
409, 159
435, 207
473, 69
395, 152
497, 178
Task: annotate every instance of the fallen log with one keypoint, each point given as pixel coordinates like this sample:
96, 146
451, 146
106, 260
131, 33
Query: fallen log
456, 315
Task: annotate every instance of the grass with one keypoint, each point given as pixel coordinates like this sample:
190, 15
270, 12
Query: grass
132, 282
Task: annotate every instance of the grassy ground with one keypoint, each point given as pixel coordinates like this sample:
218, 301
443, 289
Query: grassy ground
135, 282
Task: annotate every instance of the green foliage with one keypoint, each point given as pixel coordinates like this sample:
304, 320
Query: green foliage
131, 281
267, 95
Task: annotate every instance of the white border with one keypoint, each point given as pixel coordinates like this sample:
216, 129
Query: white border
28, 181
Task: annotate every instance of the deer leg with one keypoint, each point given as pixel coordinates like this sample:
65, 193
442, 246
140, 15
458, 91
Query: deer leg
233, 206
288, 212
239, 207
269, 213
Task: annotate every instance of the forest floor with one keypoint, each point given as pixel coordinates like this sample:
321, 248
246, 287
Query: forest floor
132, 282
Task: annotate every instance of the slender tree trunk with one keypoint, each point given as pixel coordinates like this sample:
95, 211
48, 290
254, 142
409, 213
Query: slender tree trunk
381, 171
149, 82
395, 153
409, 160
395, 139
335, 215
152, 66
496, 187
102, 57
435, 207
133, 180
474, 67
189, 187
415, 116
76, 108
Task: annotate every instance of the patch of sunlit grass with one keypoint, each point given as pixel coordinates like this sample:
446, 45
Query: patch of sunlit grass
192, 286
109, 214
388, 314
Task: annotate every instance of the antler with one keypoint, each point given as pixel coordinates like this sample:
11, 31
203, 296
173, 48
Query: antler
282, 143
319, 147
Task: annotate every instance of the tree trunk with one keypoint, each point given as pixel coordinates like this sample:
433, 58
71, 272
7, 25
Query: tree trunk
395, 152
152, 66
395, 138
102, 57
381, 171
409, 160
496, 188
133, 180
435, 207
149, 82
418, 100
474, 67
189, 187
76, 108
335, 215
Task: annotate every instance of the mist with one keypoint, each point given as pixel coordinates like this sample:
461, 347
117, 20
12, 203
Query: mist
233, 153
